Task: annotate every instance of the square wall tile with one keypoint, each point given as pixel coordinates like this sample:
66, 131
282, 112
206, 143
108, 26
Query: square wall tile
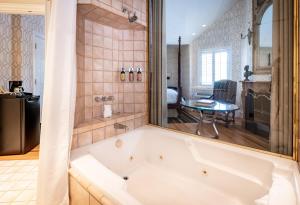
97, 64
107, 31
97, 52
98, 134
128, 108
108, 88
98, 29
98, 40
107, 54
129, 98
97, 89
97, 76
128, 35
84, 138
107, 77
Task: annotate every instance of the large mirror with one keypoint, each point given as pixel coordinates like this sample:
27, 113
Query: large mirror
262, 41
227, 71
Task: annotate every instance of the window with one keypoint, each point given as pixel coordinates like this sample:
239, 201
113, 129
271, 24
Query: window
213, 66
207, 68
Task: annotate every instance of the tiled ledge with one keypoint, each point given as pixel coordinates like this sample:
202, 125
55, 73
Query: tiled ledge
105, 12
101, 128
82, 192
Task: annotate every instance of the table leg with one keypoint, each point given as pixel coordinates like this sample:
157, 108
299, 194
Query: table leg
199, 126
227, 119
215, 128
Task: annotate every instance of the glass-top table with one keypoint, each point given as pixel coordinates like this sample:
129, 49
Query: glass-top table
209, 113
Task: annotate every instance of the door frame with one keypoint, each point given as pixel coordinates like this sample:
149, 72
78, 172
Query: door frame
35, 35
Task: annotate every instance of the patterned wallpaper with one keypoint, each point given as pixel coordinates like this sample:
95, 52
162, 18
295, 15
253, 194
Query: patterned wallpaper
226, 34
5, 49
17, 46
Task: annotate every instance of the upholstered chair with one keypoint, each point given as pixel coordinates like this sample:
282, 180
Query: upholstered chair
225, 91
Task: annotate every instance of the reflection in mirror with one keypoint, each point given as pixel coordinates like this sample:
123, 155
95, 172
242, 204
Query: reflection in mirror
210, 89
265, 39
262, 36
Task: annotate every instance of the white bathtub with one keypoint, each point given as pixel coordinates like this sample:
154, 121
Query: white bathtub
165, 167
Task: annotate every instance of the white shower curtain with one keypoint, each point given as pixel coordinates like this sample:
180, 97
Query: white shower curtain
59, 104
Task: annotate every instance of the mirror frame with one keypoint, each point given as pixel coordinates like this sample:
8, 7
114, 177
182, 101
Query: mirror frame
296, 85
296, 96
258, 11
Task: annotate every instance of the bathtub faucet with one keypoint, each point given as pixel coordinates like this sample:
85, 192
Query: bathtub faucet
120, 126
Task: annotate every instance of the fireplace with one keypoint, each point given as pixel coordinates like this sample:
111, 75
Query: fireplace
256, 99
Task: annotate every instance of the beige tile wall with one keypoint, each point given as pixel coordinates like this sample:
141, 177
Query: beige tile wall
103, 48
101, 53
80, 51
107, 50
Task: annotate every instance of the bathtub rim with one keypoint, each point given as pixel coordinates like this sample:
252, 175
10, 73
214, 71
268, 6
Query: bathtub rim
268, 156
197, 137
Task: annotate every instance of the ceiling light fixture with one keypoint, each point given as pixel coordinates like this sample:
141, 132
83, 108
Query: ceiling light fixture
193, 34
203, 25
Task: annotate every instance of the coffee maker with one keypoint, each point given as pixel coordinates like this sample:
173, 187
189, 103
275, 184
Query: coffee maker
16, 86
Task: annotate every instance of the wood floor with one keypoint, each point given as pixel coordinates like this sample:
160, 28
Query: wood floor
33, 154
235, 134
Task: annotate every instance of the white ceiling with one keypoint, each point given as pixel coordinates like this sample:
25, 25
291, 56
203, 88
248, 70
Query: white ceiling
185, 17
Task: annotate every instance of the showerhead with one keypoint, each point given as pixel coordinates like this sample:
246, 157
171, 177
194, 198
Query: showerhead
133, 18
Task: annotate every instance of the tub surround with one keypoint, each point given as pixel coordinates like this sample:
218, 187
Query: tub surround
101, 128
83, 192
167, 161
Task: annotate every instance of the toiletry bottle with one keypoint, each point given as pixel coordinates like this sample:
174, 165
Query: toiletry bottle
139, 74
122, 75
131, 75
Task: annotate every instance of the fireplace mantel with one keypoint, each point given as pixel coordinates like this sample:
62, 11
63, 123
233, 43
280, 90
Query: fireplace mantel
256, 100
256, 86
254, 81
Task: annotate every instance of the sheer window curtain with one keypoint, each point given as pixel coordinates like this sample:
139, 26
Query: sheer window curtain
281, 138
59, 103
